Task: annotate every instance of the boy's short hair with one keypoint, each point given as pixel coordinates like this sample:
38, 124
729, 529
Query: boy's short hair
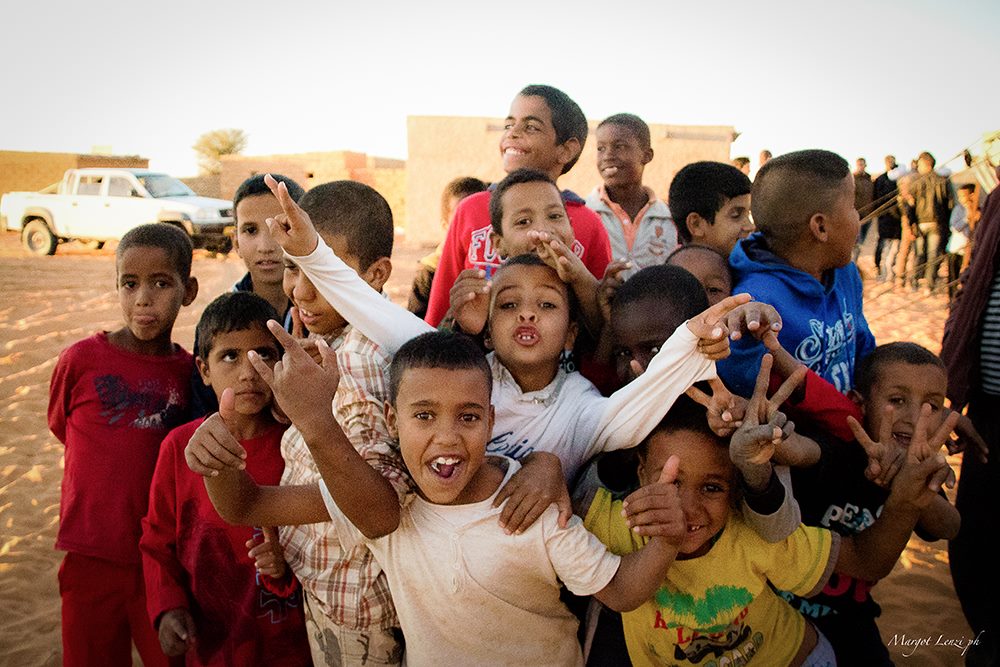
704, 188
928, 157
695, 247
634, 124
674, 288
969, 187
355, 211
255, 186
168, 237
531, 259
516, 177
233, 311
899, 352
567, 117
791, 188
460, 188
437, 349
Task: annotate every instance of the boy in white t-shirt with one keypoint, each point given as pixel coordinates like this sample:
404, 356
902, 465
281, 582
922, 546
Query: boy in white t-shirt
465, 592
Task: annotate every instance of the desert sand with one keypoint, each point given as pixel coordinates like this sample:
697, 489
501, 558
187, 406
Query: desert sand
51, 302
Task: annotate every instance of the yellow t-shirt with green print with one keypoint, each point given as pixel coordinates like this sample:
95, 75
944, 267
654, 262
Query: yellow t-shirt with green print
717, 608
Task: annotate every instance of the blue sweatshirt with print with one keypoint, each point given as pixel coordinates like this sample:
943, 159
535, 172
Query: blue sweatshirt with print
822, 323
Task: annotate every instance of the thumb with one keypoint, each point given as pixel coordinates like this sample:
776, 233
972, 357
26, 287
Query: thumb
227, 406
669, 473
565, 507
189, 628
270, 534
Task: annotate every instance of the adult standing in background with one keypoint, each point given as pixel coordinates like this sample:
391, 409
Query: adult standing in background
933, 200
863, 190
888, 222
971, 353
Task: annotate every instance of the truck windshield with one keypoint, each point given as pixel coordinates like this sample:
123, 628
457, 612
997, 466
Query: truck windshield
161, 185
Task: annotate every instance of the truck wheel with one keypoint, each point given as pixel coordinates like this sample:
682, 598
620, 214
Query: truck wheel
37, 238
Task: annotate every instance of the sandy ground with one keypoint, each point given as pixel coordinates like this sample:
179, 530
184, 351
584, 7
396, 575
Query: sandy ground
49, 303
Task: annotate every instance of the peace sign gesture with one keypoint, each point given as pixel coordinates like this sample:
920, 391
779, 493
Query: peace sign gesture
724, 409
292, 229
764, 425
924, 467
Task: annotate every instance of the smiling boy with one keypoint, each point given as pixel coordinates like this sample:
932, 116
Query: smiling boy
638, 224
545, 131
449, 561
710, 202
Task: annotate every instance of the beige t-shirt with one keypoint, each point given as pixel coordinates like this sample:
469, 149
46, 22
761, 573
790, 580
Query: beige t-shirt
468, 594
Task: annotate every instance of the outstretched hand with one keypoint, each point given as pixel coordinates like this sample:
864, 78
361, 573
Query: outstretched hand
724, 409
292, 228
925, 468
656, 509
764, 425
303, 388
470, 301
609, 284
710, 326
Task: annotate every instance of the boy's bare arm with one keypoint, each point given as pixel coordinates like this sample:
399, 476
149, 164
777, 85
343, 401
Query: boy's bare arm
642, 573
940, 519
216, 455
872, 553
305, 391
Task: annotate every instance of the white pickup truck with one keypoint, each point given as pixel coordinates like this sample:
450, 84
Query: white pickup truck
99, 205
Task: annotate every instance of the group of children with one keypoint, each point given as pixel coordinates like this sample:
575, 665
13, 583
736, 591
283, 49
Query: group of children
362, 488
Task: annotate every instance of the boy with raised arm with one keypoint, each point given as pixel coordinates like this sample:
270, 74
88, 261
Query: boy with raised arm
448, 561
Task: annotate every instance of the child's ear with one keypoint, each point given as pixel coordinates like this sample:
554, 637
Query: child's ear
567, 151
497, 242
571, 333
378, 272
857, 399
203, 371
647, 156
390, 420
190, 291
817, 226
696, 225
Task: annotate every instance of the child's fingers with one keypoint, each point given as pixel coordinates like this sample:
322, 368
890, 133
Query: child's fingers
938, 478
756, 408
698, 396
669, 473
703, 325
788, 387
860, 434
636, 367
715, 350
288, 205
943, 432
517, 510
298, 329
646, 498
920, 446
227, 406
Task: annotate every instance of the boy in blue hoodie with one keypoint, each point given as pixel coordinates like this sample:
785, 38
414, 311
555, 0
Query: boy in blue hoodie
800, 261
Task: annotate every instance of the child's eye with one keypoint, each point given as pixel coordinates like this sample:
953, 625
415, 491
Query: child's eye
897, 400
423, 416
128, 284
523, 222
556, 216
163, 284
714, 488
249, 230
469, 417
531, 127
508, 125
654, 350
229, 356
507, 305
623, 353
548, 305
267, 355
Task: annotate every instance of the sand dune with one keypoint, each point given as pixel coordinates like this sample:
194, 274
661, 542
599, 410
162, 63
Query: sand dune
49, 303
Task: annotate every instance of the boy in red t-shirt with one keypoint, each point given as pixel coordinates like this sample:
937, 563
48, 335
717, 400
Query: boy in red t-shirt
545, 131
210, 599
113, 397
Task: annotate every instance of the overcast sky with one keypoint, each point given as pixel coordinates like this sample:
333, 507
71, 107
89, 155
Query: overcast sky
859, 78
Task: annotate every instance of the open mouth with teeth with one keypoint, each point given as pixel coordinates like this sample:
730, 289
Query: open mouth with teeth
526, 335
902, 439
510, 150
445, 466
609, 171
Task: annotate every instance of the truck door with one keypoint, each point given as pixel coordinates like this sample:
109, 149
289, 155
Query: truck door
124, 207
85, 209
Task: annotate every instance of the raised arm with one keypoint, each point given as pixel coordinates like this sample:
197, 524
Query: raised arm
630, 413
642, 573
872, 553
387, 324
305, 391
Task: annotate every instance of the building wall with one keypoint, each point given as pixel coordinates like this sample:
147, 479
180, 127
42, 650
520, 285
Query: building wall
386, 175
25, 171
441, 148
